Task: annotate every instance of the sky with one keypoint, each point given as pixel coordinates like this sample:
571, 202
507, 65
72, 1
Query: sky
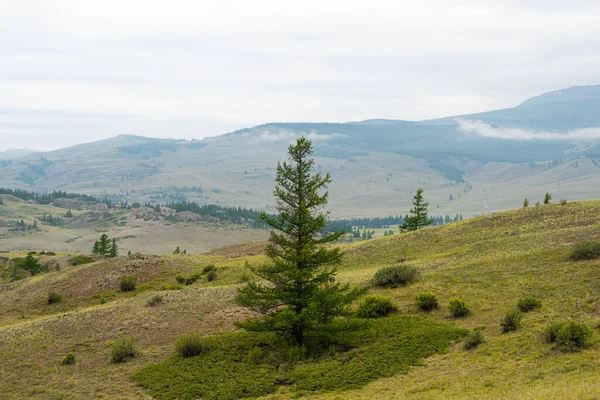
74, 71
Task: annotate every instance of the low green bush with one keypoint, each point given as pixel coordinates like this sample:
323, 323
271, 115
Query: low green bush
155, 301
211, 276
81, 260
54, 298
208, 269
234, 368
69, 359
427, 301
570, 336
458, 308
190, 345
474, 339
528, 304
187, 281
586, 250
396, 275
512, 321
128, 283
123, 350
375, 306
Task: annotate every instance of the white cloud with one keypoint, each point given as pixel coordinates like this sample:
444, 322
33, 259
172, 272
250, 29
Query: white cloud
201, 68
486, 130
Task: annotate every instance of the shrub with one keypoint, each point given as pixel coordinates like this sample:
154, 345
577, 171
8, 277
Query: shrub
211, 276
69, 359
396, 275
54, 298
190, 344
528, 304
154, 301
375, 306
81, 260
427, 301
128, 283
187, 281
511, 322
255, 355
586, 250
474, 339
570, 336
208, 269
123, 350
552, 331
459, 308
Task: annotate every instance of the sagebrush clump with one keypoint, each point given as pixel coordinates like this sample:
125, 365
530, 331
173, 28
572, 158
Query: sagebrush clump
208, 269
586, 250
211, 276
54, 298
427, 301
528, 304
474, 339
69, 359
569, 336
375, 306
128, 283
155, 300
123, 350
458, 308
191, 344
396, 275
512, 321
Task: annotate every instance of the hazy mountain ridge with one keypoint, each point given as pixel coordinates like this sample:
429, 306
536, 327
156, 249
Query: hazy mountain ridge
376, 164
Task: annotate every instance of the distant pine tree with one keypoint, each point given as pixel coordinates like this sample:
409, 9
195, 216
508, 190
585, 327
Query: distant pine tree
177, 250
69, 214
547, 198
418, 214
113, 251
525, 203
129, 253
102, 246
96, 248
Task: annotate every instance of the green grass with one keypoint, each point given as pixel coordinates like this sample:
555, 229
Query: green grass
81, 260
489, 262
232, 369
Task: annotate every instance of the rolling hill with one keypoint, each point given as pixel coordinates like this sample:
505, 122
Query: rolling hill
489, 262
491, 163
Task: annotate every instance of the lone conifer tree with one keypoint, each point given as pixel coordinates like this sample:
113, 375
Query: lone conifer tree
547, 198
300, 296
102, 246
418, 214
113, 251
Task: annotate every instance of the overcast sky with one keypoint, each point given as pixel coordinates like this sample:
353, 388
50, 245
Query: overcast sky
73, 71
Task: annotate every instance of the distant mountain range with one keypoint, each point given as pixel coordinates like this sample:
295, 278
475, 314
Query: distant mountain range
468, 164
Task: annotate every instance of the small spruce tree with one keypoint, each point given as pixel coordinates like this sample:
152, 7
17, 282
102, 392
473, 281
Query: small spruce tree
547, 198
113, 251
525, 203
418, 214
300, 296
96, 248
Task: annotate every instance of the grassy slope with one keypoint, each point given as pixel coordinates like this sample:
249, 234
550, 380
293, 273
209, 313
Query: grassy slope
490, 262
